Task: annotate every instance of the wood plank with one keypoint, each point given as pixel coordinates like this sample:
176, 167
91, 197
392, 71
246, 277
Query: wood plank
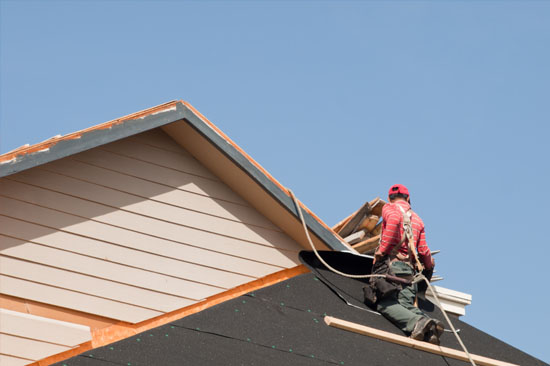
159, 256
355, 237
105, 270
336, 228
43, 329
158, 192
377, 205
90, 228
367, 245
99, 287
351, 225
125, 210
408, 342
28, 348
368, 223
74, 300
377, 229
158, 174
182, 162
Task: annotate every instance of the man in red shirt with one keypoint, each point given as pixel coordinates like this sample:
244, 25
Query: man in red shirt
397, 257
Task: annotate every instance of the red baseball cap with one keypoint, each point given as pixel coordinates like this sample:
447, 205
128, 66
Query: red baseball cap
398, 188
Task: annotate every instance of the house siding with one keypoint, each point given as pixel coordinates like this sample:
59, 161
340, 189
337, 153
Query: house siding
26, 338
131, 230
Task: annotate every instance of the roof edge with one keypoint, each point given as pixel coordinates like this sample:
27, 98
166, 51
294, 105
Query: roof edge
262, 177
56, 148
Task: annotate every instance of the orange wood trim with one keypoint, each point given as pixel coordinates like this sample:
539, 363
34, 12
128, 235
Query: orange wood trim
63, 355
102, 336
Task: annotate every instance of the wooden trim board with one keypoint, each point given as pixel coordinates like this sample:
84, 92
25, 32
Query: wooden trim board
408, 342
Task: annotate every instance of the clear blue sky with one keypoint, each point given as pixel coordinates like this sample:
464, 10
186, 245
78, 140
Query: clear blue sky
338, 100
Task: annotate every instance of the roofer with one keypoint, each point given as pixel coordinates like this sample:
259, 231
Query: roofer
396, 258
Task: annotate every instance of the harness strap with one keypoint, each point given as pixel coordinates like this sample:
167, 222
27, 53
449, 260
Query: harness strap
409, 236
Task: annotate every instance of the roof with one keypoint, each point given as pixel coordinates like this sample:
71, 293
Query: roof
283, 324
165, 115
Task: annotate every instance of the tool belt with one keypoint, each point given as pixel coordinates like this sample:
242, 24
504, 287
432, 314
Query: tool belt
398, 275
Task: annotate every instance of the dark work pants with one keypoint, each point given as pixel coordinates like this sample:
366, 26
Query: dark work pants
399, 308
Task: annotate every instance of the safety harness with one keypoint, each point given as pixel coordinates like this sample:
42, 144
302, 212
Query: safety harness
409, 236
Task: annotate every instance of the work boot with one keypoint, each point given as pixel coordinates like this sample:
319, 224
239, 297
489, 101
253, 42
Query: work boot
421, 327
434, 333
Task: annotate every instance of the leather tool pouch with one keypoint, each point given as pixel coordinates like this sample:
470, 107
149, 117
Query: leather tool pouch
379, 287
370, 295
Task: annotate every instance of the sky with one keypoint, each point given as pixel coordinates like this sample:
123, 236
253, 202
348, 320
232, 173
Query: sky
338, 100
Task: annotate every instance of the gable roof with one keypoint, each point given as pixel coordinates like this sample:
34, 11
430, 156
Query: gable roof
283, 324
174, 117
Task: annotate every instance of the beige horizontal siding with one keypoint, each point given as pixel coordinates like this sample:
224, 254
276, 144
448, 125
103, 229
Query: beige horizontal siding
104, 288
108, 233
158, 138
158, 174
122, 209
158, 192
74, 300
158, 256
29, 348
180, 161
6, 360
103, 269
130, 230
43, 329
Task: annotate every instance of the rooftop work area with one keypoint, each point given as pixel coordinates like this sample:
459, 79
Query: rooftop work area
285, 324
155, 239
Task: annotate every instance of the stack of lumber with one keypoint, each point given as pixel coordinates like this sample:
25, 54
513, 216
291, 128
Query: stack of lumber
362, 228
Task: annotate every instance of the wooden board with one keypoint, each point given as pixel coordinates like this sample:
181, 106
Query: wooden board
376, 207
368, 223
367, 245
355, 220
408, 342
377, 229
355, 237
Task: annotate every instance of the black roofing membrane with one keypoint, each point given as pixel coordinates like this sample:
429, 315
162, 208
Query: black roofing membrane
283, 325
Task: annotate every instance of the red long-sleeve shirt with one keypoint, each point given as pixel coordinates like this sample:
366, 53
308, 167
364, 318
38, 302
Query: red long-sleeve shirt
392, 232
